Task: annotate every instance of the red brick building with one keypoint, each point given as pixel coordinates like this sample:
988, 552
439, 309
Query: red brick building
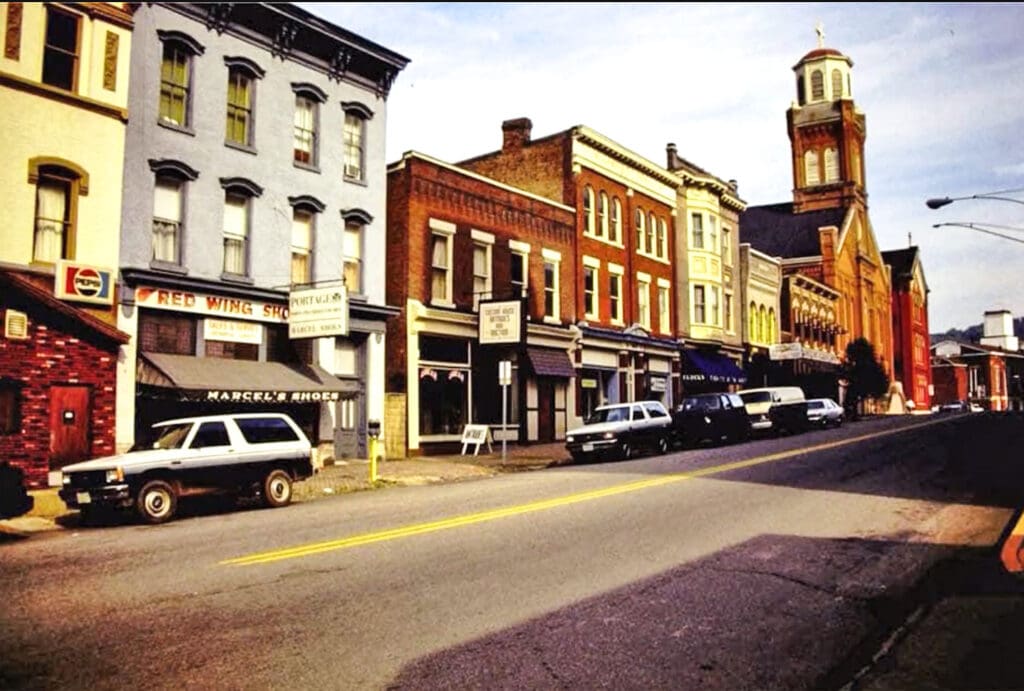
58, 369
482, 273
972, 372
625, 225
911, 356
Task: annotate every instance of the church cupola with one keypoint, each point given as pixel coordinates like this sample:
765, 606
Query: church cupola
827, 132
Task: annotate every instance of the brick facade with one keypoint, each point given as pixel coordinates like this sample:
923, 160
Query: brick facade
62, 347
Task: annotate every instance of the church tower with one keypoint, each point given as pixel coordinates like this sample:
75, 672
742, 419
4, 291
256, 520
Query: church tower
827, 133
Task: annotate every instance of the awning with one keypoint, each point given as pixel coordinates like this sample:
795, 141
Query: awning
550, 362
242, 381
711, 367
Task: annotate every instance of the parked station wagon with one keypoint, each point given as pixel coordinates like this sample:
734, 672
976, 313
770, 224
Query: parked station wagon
621, 430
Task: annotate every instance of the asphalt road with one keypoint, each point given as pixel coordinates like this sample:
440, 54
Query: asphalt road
776, 564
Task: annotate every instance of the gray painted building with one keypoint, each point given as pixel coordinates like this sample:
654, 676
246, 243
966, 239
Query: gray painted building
254, 170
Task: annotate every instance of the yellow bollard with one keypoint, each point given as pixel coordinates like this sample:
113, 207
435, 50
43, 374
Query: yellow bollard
373, 460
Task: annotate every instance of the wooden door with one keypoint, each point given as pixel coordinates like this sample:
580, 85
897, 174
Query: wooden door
545, 410
70, 421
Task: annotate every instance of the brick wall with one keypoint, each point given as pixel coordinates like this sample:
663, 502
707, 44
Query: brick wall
57, 352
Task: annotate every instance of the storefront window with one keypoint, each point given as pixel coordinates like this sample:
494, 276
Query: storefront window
443, 385
167, 333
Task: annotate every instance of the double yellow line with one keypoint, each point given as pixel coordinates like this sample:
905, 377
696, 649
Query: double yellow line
542, 505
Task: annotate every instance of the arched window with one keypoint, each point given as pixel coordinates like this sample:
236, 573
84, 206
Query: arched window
354, 133
616, 232
663, 238
765, 329
641, 235
771, 325
588, 210
353, 240
831, 165
242, 76
304, 210
170, 187
755, 337
801, 95
652, 231
602, 214
238, 196
817, 85
58, 184
179, 51
837, 85
812, 176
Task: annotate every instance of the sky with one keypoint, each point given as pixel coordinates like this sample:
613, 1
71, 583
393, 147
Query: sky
941, 86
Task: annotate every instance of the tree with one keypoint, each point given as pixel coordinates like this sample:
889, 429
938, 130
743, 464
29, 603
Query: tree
864, 373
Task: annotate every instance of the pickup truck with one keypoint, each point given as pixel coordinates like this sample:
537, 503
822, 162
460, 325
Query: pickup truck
621, 430
255, 455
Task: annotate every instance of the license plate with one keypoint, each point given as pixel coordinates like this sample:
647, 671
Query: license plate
83, 497
588, 447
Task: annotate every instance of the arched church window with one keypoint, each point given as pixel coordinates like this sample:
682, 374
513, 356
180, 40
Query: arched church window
837, 85
817, 85
812, 176
831, 165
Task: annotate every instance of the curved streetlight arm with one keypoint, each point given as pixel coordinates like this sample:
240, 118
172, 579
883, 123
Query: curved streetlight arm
939, 202
974, 226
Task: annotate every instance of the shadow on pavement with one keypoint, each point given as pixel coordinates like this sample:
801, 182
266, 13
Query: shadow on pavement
755, 616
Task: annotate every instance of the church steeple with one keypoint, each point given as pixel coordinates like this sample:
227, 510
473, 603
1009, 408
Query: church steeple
827, 132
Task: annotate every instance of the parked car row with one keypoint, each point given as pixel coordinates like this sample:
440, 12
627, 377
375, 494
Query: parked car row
622, 430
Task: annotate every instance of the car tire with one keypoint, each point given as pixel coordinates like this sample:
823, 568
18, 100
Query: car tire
663, 445
277, 488
627, 451
156, 502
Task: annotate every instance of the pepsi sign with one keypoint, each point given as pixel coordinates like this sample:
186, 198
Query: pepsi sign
83, 283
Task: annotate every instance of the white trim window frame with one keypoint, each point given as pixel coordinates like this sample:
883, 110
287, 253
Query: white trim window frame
552, 285
700, 308
589, 227
640, 225
616, 225
237, 213
697, 230
519, 257
591, 293
664, 306
643, 299
602, 215
442, 242
615, 296
302, 246
483, 266
726, 246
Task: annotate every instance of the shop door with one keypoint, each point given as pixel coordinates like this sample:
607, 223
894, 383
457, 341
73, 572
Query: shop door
70, 419
545, 410
350, 430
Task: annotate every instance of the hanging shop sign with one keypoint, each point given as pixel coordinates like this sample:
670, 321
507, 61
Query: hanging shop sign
501, 321
318, 312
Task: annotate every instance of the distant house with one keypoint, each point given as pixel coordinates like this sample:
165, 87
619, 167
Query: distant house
987, 374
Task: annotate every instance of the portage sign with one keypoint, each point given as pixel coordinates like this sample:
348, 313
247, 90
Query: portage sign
83, 283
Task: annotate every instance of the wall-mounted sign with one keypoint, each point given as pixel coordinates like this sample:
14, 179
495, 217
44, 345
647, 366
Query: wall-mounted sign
216, 305
785, 351
318, 312
232, 331
501, 321
83, 283
657, 384
588, 383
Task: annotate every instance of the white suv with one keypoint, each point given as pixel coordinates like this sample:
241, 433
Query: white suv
620, 430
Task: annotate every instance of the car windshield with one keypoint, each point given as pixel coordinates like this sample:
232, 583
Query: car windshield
815, 404
756, 397
608, 415
701, 403
167, 437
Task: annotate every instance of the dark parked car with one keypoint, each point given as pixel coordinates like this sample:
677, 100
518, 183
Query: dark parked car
824, 412
711, 417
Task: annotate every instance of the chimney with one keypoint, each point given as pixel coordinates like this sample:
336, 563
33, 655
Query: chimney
670, 155
734, 186
515, 133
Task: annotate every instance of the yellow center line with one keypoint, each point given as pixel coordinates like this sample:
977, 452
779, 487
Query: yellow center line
544, 504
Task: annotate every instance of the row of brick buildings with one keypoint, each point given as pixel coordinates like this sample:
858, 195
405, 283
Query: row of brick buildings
208, 222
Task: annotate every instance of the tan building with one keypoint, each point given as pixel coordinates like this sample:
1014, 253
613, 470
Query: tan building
63, 109
825, 233
709, 310
760, 299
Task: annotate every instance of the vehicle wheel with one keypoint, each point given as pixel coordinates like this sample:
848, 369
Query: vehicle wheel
663, 445
277, 488
627, 451
157, 502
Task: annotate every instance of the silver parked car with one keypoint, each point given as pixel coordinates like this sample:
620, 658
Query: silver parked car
824, 412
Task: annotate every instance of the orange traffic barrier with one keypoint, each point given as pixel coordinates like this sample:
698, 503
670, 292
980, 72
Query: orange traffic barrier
1012, 553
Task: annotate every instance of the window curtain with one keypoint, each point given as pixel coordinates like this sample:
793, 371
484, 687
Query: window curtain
352, 248
51, 205
166, 220
236, 224
439, 261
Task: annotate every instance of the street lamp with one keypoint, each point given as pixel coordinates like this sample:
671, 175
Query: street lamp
939, 202
975, 226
